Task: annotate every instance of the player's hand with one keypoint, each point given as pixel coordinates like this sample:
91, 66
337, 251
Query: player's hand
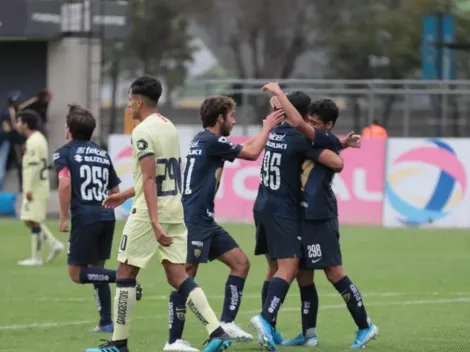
272, 87
273, 119
161, 236
63, 225
113, 200
29, 196
274, 102
353, 140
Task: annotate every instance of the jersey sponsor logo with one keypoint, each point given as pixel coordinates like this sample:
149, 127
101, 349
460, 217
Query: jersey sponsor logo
141, 144
78, 158
55, 156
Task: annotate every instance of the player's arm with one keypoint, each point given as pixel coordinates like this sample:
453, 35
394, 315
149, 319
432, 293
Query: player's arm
61, 165
113, 179
326, 157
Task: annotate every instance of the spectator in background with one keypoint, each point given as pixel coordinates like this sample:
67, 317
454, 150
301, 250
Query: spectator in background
11, 140
375, 130
40, 104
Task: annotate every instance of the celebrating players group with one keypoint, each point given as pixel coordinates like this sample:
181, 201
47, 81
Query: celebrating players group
295, 214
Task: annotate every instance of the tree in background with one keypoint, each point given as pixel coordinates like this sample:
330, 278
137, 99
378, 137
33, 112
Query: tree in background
159, 44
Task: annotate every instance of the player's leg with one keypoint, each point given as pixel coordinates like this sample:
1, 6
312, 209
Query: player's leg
55, 246
284, 246
173, 260
198, 247
136, 249
32, 213
331, 256
36, 245
308, 308
226, 250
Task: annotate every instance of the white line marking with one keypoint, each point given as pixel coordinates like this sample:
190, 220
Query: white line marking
248, 312
165, 298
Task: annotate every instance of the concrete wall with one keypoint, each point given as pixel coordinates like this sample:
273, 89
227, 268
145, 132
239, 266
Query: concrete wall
73, 72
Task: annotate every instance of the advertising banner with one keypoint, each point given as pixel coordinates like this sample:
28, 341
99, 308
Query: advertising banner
427, 183
358, 187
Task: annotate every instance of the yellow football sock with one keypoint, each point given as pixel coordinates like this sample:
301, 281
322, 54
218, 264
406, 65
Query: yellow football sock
199, 305
124, 302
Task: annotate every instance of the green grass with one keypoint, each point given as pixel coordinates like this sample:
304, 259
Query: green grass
415, 284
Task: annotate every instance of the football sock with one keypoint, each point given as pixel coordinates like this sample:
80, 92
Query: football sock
124, 302
36, 242
92, 275
103, 302
309, 299
277, 292
264, 292
196, 300
233, 298
353, 299
48, 236
176, 317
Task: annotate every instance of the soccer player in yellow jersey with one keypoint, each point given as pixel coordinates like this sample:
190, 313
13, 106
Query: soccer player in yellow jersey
36, 188
156, 221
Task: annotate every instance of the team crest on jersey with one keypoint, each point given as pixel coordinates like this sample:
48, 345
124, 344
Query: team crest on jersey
197, 252
141, 144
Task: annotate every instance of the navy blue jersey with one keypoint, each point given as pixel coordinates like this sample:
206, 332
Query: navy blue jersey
318, 198
92, 175
202, 173
279, 192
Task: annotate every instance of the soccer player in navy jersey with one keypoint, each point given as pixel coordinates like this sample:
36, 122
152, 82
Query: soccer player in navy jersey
86, 176
276, 214
207, 240
320, 229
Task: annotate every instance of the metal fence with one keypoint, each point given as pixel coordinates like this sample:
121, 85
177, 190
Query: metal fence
406, 107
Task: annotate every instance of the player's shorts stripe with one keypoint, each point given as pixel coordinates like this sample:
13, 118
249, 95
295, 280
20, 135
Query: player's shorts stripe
145, 155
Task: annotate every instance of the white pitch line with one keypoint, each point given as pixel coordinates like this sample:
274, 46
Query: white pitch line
247, 312
165, 298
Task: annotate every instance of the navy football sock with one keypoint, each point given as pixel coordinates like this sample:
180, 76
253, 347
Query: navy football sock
276, 294
353, 299
92, 275
264, 292
176, 316
103, 302
233, 298
309, 299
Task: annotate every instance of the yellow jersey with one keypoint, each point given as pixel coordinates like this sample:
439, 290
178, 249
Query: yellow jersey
158, 138
36, 166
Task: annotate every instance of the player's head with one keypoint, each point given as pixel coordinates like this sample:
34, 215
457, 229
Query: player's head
217, 112
79, 123
323, 113
143, 96
27, 122
301, 102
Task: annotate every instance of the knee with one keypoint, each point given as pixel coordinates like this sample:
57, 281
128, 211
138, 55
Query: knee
287, 269
175, 274
74, 273
126, 272
191, 269
240, 266
305, 278
334, 273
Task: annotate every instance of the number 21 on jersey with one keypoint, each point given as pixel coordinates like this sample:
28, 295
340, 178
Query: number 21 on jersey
271, 170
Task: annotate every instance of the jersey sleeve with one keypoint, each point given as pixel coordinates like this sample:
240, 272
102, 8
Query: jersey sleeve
114, 179
143, 144
326, 140
314, 153
60, 159
224, 149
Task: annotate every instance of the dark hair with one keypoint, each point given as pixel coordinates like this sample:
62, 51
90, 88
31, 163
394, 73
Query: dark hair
30, 118
80, 122
325, 109
213, 107
301, 101
148, 87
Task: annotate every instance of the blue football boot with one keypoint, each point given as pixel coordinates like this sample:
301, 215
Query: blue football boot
363, 336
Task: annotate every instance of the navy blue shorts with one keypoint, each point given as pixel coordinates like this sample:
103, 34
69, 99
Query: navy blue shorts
277, 237
320, 244
91, 243
208, 241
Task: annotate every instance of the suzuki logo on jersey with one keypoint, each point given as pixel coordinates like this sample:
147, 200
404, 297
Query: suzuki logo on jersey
78, 158
141, 144
55, 156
